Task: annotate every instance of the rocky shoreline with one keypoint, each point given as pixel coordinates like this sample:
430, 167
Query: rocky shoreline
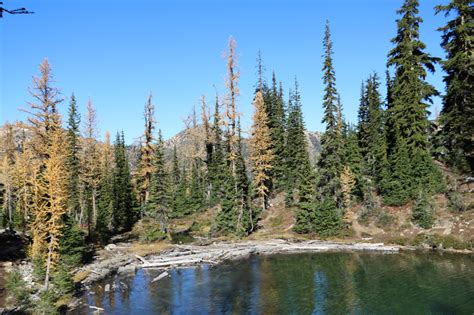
215, 253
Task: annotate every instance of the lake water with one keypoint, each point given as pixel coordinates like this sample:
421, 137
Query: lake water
319, 283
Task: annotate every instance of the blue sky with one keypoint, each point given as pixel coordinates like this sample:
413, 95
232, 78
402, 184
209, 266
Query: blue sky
117, 52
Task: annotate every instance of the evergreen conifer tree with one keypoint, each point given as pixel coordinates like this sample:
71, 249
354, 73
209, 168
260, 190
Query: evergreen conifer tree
158, 205
330, 160
124, 215
145, 165
457, 115
407, 114
73, 161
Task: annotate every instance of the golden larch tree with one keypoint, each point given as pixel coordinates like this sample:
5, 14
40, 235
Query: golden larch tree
54, 180
90, 161
261, 154
26, 166
44, 116
230, 113
347, 184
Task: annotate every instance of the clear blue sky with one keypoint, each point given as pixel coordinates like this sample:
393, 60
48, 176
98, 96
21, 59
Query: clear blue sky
116, 52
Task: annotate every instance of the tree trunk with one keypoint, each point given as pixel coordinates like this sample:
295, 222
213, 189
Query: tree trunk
48, 266
94, 208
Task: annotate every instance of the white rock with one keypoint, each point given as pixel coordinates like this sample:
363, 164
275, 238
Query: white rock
110, 247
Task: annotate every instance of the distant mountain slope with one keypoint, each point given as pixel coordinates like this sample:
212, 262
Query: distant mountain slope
182, 141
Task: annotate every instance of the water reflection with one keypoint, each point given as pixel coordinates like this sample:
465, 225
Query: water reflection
324, 283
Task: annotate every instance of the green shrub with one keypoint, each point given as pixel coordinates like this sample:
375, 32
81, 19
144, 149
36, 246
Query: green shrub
384, 219
62, 280
46, 303
327, 218
151, 232
442, 241
423, 211
16, 288
456, 202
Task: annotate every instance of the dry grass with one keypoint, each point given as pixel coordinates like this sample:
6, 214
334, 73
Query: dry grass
78, 277
144, 249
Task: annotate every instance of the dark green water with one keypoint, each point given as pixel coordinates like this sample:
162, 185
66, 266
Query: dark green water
322, 283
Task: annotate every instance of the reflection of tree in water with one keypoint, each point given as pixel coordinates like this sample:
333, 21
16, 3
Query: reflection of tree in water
338, 283
413, 283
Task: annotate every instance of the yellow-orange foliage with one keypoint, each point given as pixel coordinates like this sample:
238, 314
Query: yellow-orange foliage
260, 153
231, 113
25, 171
347, 184
90, 158
51, 196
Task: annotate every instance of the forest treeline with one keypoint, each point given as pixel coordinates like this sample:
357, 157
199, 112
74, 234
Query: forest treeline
67, 189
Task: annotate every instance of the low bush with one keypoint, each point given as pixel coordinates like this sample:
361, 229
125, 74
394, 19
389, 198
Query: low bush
16, 288
423, 211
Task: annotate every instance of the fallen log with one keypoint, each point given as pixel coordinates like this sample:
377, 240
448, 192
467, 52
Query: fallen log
170, 263
161, 276
143, 260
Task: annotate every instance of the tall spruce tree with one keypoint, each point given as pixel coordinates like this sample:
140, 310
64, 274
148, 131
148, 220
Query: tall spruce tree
330, 160
217, 165
145, 165
246, 218
408, 114
371, 131
353, 165
276, 123
73, 161
457, 115
158, 205
124, 215
298, 166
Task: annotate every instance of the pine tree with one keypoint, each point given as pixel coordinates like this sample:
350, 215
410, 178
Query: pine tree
423, 211
299, 170
218, 163
181, 204
124, 215
196, 190
261, 154
408, 113
246, 218
73, 158
158, 205
227, 216
145, 166
397, 187
353, 165
457, 115
371, 132
330, 160
276, 124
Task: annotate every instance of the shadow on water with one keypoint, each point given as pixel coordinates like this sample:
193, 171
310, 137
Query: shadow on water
322, 283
